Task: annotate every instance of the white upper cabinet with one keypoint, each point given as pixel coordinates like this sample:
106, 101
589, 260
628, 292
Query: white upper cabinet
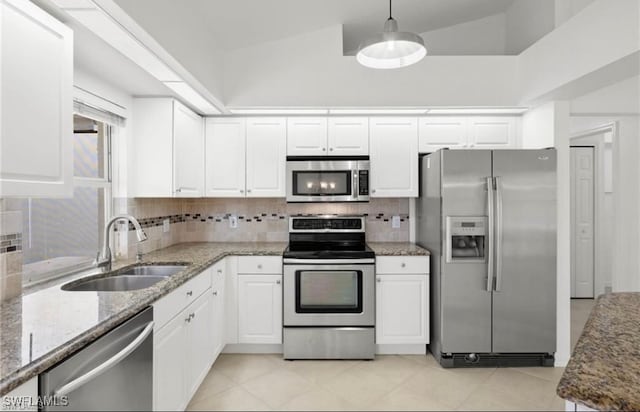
188, 145
334, 136
266, 156
492, 132
225, 157
393, 147
445, 131
36, 102
348, 136
306, 136
167, 133
467, 132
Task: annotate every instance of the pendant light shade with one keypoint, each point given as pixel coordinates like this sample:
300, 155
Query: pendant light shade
391, 49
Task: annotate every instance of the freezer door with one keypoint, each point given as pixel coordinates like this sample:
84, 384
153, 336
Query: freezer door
524, 301
465, 316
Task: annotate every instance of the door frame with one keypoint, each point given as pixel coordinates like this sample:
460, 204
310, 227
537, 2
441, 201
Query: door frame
612, 128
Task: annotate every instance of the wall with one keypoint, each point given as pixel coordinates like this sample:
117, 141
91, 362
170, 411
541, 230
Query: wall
618, 99
526, 22
310, 70
486, 36
566, 9
259, 220
596, 48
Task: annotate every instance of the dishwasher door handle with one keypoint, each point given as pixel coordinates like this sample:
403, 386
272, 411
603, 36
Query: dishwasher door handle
98, 370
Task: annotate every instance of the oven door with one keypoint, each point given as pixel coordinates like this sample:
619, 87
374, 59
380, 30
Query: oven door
335, 294
322, 181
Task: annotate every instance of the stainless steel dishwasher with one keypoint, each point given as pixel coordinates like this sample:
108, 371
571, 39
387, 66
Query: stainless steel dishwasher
113, 373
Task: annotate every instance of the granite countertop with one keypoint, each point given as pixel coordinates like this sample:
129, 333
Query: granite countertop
604, 370
47, 324
397, 249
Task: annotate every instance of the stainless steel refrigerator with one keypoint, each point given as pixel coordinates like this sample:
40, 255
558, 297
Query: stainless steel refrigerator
489, 220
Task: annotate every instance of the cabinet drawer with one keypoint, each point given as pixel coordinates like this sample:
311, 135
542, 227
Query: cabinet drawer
402, 265
169, 306
260, 264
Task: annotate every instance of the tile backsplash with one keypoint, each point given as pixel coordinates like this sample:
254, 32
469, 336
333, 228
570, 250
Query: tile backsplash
259, 220
10, 254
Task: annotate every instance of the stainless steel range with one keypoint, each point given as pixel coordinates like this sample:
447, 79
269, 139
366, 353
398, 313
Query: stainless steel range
329, 289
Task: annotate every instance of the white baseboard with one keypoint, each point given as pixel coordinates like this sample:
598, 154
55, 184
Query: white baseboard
252, 348
560, 362
401, 349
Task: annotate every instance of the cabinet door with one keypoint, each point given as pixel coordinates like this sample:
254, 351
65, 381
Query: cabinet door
36, 102
266, 157
492, 132
218, 317
169, 354
200, 341
443, 131
188, 146
348, 136
225, 157
402, 309
306, 136
393, 147
260, 308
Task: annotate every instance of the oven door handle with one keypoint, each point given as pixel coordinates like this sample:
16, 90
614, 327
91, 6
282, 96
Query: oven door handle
292, 261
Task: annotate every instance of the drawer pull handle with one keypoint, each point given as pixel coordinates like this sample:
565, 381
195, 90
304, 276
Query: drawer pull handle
379, 280
259, 266
403, 265
190, 293
215, 293
219, 271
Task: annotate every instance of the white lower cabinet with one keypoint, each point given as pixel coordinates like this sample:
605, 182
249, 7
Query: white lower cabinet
402, 301
260, 308
402, 311
22, 398
182, 348
218, 317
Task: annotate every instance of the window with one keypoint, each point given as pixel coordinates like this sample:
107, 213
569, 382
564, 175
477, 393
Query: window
64, 235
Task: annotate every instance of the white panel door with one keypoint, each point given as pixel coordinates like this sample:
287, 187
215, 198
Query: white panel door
443, 131
225, 157
169, 354
497, 132
259, 308
188, 148
393, 148
36, 102
306, 136
200, 341
348, 136
266, 157
402, 309
582, 222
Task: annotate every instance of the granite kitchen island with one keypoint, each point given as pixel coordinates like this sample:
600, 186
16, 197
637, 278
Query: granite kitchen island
604, 370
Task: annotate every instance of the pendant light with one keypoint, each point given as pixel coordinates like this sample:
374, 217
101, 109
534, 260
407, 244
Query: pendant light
391, 49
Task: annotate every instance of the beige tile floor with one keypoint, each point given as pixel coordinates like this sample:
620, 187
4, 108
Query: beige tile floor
266, 382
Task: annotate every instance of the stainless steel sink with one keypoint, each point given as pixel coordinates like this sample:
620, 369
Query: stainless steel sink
120, 283
152, 270
134, 278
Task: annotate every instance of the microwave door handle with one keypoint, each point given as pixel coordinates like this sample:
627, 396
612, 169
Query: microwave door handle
356, 184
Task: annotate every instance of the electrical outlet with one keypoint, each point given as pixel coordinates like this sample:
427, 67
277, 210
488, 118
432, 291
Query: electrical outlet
395, 222
233, 221
165, 225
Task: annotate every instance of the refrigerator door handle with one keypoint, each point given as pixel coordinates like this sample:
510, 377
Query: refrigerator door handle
490, 224
498, 242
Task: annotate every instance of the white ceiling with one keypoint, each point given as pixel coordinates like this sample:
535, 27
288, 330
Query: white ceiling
240, 23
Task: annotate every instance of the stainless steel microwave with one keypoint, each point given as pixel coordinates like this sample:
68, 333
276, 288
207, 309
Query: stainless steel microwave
327, 179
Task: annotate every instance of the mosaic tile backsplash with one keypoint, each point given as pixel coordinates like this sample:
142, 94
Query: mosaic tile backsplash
259, 220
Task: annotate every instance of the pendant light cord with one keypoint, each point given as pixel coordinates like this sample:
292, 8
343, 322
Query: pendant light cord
390, 10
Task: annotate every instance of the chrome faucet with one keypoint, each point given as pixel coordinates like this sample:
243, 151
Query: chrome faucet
103, 259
